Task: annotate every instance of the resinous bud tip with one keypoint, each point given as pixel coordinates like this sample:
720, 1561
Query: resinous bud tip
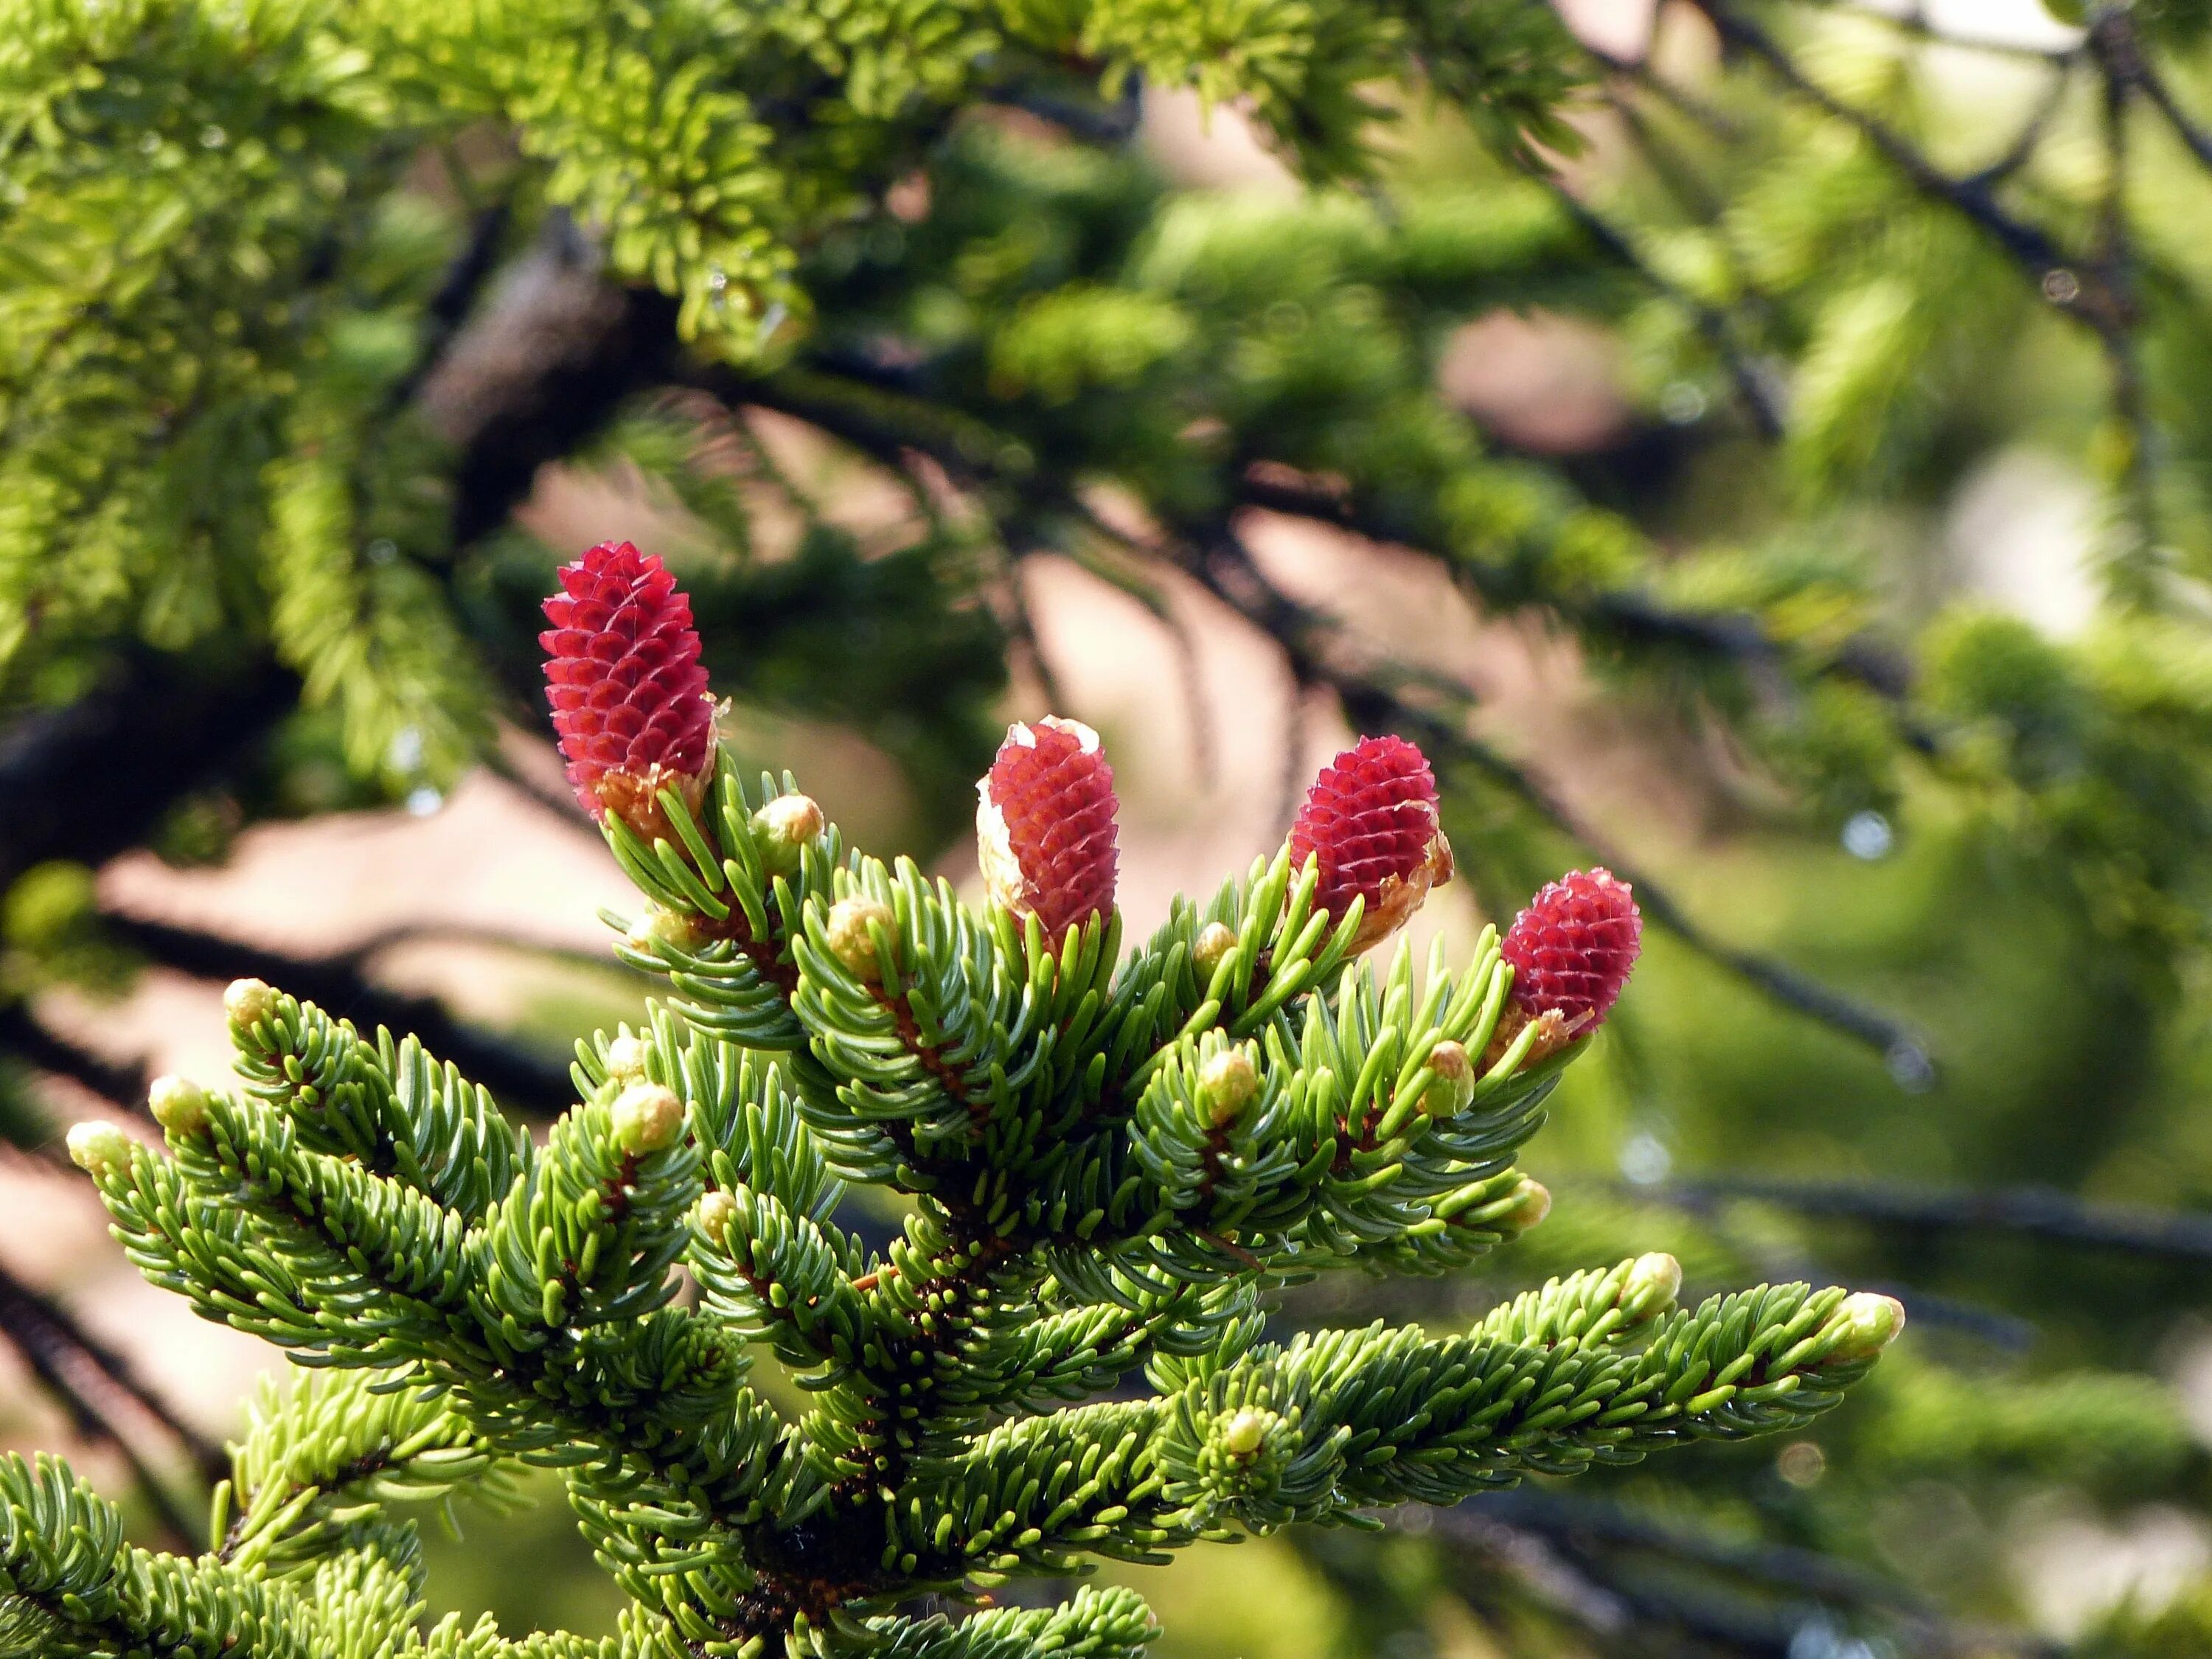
1211, 948
178, 1104
786, 827
849, 932
1226, 1084
248, 1002
1453, 1091
647, 1118
1865, 1322
99, 1148
1653, 1283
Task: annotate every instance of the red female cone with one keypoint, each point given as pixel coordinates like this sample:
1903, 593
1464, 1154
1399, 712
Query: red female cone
1044, 825
1572, 948
1371, 820
628, 693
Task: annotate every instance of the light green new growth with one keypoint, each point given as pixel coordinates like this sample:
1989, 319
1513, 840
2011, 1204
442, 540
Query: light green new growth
1110, 1162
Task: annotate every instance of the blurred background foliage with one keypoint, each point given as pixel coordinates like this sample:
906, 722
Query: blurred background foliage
1762, 445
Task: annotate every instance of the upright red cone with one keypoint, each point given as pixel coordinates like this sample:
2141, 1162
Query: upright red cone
1371, 820
1573, 945
1571, 949
628, 693
1044, 824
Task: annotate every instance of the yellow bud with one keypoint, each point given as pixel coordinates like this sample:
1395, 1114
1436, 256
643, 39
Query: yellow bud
178, 1104
1211, 948
99, 1148
248, 1002
784, 826
1453, 1088
1653, 1283
716, 1211
1531, 1203
626, 1059
660, 927
848, 931
1226, 1084
1243, 1435
647, 1118
1865, 1322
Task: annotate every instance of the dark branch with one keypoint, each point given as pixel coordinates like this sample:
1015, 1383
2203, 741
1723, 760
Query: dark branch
90, 778
92, 1382
2044, 260
532, 1082
29, 1040
2035, 1211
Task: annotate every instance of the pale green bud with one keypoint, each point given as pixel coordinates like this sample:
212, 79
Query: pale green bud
1653, 1283
1453, 1091
784, 827
626, 1059
178, 1104
99, 1148
1226, 1084
248, 1002
849, 933
647, 1118
1243, 1435
1211, 948
716, 1211
1864, 1323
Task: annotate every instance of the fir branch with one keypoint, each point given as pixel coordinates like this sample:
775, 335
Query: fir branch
2043, 262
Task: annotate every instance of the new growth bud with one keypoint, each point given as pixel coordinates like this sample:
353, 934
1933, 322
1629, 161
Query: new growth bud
178, 1104
1226, 1084
716, 1211
656, 926
784, 827
628, 691
1245, 1433
1371, 821
647, 1118
1865, 1322
1211, 948
1531, 1203
99, 1148
1044, 825
1453, 1091
848, 931
248, 1002
1653, 1283
1572, 948
626, 1059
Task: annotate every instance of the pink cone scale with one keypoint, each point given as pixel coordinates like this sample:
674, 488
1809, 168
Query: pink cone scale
1370, 821
628, 693
1045, 825
1573, 946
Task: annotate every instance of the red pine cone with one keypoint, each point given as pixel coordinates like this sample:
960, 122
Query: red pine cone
1044, 822
1572, 948
1370, 818
629, 696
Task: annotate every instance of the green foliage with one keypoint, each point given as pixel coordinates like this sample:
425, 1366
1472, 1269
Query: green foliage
1087, 1204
